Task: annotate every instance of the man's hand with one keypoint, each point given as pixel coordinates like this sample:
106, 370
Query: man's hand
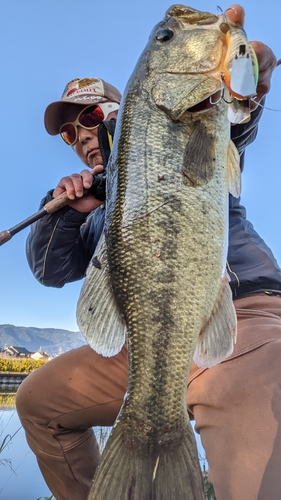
267, 63
266, 58
75, 186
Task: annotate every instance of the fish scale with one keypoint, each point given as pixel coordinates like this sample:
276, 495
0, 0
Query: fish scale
162, 259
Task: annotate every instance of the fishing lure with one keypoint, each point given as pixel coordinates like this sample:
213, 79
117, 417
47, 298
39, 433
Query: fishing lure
240, 68
240, 72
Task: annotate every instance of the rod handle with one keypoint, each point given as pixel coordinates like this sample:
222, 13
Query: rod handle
5, 236
57, 203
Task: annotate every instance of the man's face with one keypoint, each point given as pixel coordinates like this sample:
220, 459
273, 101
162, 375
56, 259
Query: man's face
87, 145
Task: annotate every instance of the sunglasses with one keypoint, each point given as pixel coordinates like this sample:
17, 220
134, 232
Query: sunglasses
89, 118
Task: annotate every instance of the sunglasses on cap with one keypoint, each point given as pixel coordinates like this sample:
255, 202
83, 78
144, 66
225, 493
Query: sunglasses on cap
89, 118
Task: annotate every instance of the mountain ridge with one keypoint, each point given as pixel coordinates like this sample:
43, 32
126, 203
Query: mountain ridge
53, 341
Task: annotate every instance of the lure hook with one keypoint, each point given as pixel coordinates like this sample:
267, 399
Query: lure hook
218, 100
225, 100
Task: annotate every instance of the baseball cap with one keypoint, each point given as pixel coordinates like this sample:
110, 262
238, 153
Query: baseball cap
81, 91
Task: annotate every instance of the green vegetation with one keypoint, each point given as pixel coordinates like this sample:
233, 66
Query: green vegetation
22, 365
7, 400
208, 487
4, 442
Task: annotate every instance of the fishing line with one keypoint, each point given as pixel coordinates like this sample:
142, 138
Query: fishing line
261, 105
230, 102
265, 107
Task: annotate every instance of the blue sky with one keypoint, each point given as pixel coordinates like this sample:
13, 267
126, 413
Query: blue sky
46, 43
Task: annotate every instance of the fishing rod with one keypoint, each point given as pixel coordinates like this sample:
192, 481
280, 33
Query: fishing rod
97, 189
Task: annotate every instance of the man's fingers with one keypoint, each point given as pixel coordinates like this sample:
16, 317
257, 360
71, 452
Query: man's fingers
86, 204
267, 63
97, 169
74, 185
236, 14
87, 178
265, 56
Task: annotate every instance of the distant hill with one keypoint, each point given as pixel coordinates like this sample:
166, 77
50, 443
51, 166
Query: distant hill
50, 340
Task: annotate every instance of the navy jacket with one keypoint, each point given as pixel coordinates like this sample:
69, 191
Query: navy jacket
60, 246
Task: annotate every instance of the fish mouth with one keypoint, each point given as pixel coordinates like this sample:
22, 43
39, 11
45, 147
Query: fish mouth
208, 103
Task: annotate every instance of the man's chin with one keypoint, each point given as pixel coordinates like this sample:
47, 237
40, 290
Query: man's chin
94, 161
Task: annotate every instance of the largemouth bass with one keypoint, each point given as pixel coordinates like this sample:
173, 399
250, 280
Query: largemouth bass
158, 276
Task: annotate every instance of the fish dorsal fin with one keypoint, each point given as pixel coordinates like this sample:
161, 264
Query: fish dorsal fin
217, 338
98, 316
233, 170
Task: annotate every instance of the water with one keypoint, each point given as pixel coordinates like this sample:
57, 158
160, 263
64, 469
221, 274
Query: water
25, 481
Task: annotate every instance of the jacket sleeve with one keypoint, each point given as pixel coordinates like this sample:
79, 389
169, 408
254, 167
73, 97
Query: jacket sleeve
57, 246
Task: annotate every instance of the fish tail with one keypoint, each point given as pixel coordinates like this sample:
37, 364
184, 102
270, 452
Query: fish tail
126, 472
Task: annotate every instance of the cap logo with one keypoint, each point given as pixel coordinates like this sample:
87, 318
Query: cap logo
88, 98
86, 90
83, 86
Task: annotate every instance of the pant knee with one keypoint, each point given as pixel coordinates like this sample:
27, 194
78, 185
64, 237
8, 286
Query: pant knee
26, 399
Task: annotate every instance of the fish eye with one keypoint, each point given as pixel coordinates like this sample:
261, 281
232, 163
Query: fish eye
224, 27
164, 35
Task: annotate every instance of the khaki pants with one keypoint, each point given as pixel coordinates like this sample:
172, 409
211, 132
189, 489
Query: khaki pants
236, 406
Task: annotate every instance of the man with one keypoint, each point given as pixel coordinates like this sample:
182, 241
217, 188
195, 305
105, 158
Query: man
60, 403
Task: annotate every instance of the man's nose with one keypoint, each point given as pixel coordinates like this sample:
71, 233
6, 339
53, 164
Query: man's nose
84, 134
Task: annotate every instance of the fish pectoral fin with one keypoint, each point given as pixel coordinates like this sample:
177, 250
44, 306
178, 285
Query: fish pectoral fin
199, 156
233, 170
98, 316
217, 338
